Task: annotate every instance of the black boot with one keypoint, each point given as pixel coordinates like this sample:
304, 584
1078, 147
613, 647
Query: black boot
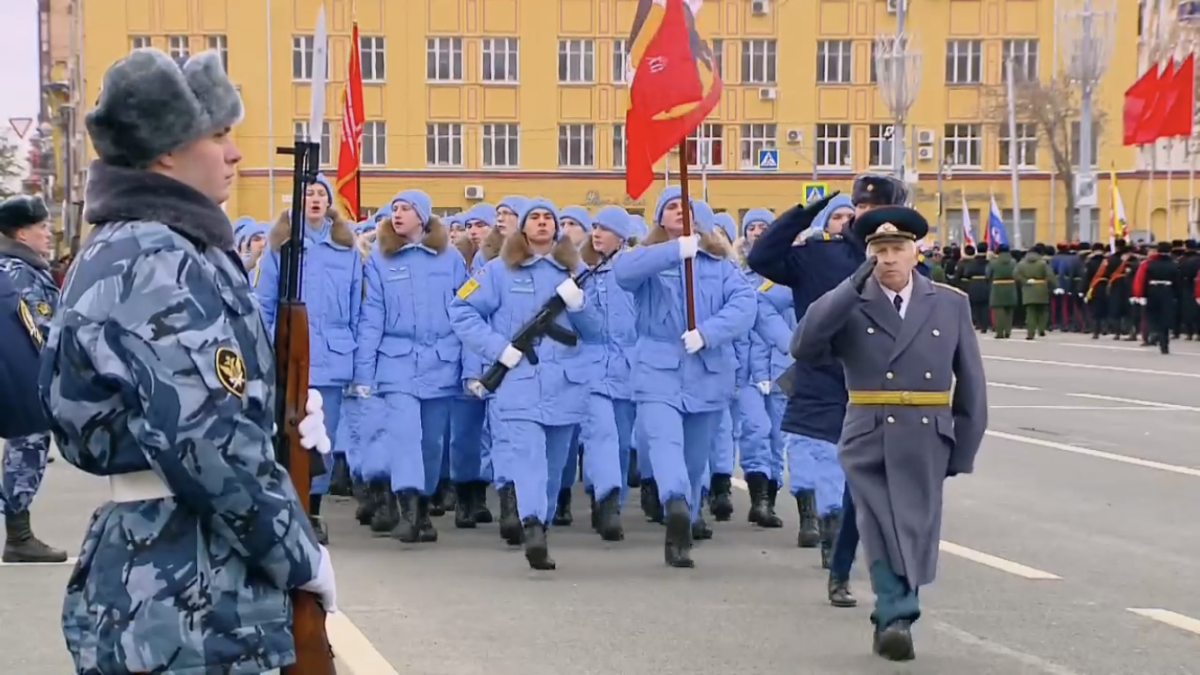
510, 522
387, 511
595, 512
651, 504
700, 530
437, 502
756, 484
894, 642
839, 593
425, 529
537, 548
810, 532
608, 516
318, 526
677, 549
771, 519
720, 496
366, 502
464, 510
20, 546
562, 514
479, 506
406, 525
634, 479
830, 524
339, 479
449, 497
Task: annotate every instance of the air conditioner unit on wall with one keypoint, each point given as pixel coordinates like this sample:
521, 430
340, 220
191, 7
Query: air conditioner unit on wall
795, 136
766, 93
893, 6
473, 192
926, 137
925, 153
760, 7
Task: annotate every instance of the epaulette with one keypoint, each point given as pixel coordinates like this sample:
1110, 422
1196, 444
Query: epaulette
949, 288
767, 285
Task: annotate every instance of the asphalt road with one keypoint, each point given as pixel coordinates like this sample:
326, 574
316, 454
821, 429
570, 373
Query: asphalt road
1081, 511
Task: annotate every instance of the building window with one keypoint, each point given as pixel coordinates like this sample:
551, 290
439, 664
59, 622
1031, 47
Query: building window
177, 48
1024, 55
576, 61
374, 143
718, 51
755, 137
501, 145
620, 61
618, 149
1026, 145
706, 146
833, 145
873, 71
501, 62
139, 42
300, 130
962, 145
1075, 144
881, 145
758, 61
833, 62
1025, 223
576, 145
444, 59
372, 58
443, 145
220, 45
302, 57
964, 61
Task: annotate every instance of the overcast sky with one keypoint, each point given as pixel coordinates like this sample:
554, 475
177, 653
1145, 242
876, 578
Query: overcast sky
18, 60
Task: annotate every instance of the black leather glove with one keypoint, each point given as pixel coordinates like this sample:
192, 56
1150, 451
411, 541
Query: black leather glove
859, 279
813, 208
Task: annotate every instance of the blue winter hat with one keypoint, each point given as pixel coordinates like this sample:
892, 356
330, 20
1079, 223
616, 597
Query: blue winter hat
667, 195
368, 226
250, 232
726, 222
419, 201
482, 212
579, 215
637, 225
702, 216
240, 225
540, 203
615, 219
838, 202
516, 203
455, 219
324, 182
756, 216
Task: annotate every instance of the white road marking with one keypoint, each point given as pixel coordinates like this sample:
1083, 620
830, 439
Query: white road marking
1092, 366
1092, 408
1134, 401
69, 563
1018, 387
1170, 618
353, 648
1100, 454
971, 554
1047, 667
1085, 345
994, 562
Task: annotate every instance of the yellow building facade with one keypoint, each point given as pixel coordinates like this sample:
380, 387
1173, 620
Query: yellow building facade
476, 99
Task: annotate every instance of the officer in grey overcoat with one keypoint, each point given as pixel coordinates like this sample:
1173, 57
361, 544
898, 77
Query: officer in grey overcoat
903, 341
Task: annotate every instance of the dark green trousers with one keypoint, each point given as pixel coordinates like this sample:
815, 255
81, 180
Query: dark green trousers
1037, 319
894, 598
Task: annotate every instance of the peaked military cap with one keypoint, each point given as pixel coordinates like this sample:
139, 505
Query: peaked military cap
891, 222
876, 190
22, 211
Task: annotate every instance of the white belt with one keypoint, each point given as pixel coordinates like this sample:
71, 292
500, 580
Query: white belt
138, 486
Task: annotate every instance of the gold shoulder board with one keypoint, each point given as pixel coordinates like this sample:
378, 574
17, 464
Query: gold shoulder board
949, 288
27, 319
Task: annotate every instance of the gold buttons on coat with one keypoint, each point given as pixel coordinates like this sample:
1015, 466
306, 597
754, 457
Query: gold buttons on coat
870, 330
890, 375
929, 376
891, 420
936, 332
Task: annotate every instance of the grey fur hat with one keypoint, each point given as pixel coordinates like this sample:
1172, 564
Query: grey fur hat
22, 211
150, 105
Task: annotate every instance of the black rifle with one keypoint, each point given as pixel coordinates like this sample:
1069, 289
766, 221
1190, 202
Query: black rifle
542, 324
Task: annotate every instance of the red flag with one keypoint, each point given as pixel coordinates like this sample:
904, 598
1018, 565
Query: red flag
353, 116
1180, 104
1150, 126
667, 99
1138, 99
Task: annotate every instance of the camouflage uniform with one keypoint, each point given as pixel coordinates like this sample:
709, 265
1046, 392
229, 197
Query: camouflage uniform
158, 362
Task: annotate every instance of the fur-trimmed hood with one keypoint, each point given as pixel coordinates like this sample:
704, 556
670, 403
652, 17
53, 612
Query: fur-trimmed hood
467, 248
710, 242
516, 251
436, 239
493, 244
341, 231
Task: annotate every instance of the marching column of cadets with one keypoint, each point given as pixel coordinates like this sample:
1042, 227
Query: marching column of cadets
408, 310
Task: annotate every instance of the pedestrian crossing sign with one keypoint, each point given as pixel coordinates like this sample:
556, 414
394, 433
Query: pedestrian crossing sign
768, 158
814, 192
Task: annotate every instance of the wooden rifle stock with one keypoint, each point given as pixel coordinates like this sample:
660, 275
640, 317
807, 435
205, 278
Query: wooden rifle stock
314, 656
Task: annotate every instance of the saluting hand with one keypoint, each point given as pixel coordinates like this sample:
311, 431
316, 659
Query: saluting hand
813, 208
860, 276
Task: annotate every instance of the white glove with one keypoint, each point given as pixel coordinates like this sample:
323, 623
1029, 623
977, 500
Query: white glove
1133, 301
1142, 302
362, 391
510, 357
688, 246
692, 341
764, 388
1059, 291
571, 294
312, 427
475, 388
324, 586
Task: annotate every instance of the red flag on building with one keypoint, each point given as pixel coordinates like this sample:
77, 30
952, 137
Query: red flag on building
1180, 104
669, 96
353, 117
1139, 98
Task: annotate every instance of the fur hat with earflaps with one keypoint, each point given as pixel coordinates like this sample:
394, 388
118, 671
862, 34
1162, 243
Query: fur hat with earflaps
150, 105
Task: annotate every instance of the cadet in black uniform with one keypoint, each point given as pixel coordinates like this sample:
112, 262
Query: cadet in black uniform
22, 342
1189, 266
1162, 281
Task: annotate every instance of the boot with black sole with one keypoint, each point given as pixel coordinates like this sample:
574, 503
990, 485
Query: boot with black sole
634, 478
464, 510
770, 519
387, 511
608, 517
830, 525
21, 546
677, 547
810, 531
365, 500
562, 514
425, 530
595, 512
895, 642
406, 529
340, 482
537, 545
700, 530
756, 485
510, 521
720, 493
651, 503
483, 515
437, 502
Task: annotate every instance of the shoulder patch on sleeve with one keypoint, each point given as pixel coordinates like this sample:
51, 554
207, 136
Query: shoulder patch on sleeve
30, 326
257, 275
766, 286
949, 288
231, 371
467, 289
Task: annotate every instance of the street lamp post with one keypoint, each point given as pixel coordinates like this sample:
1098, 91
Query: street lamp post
898, 71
